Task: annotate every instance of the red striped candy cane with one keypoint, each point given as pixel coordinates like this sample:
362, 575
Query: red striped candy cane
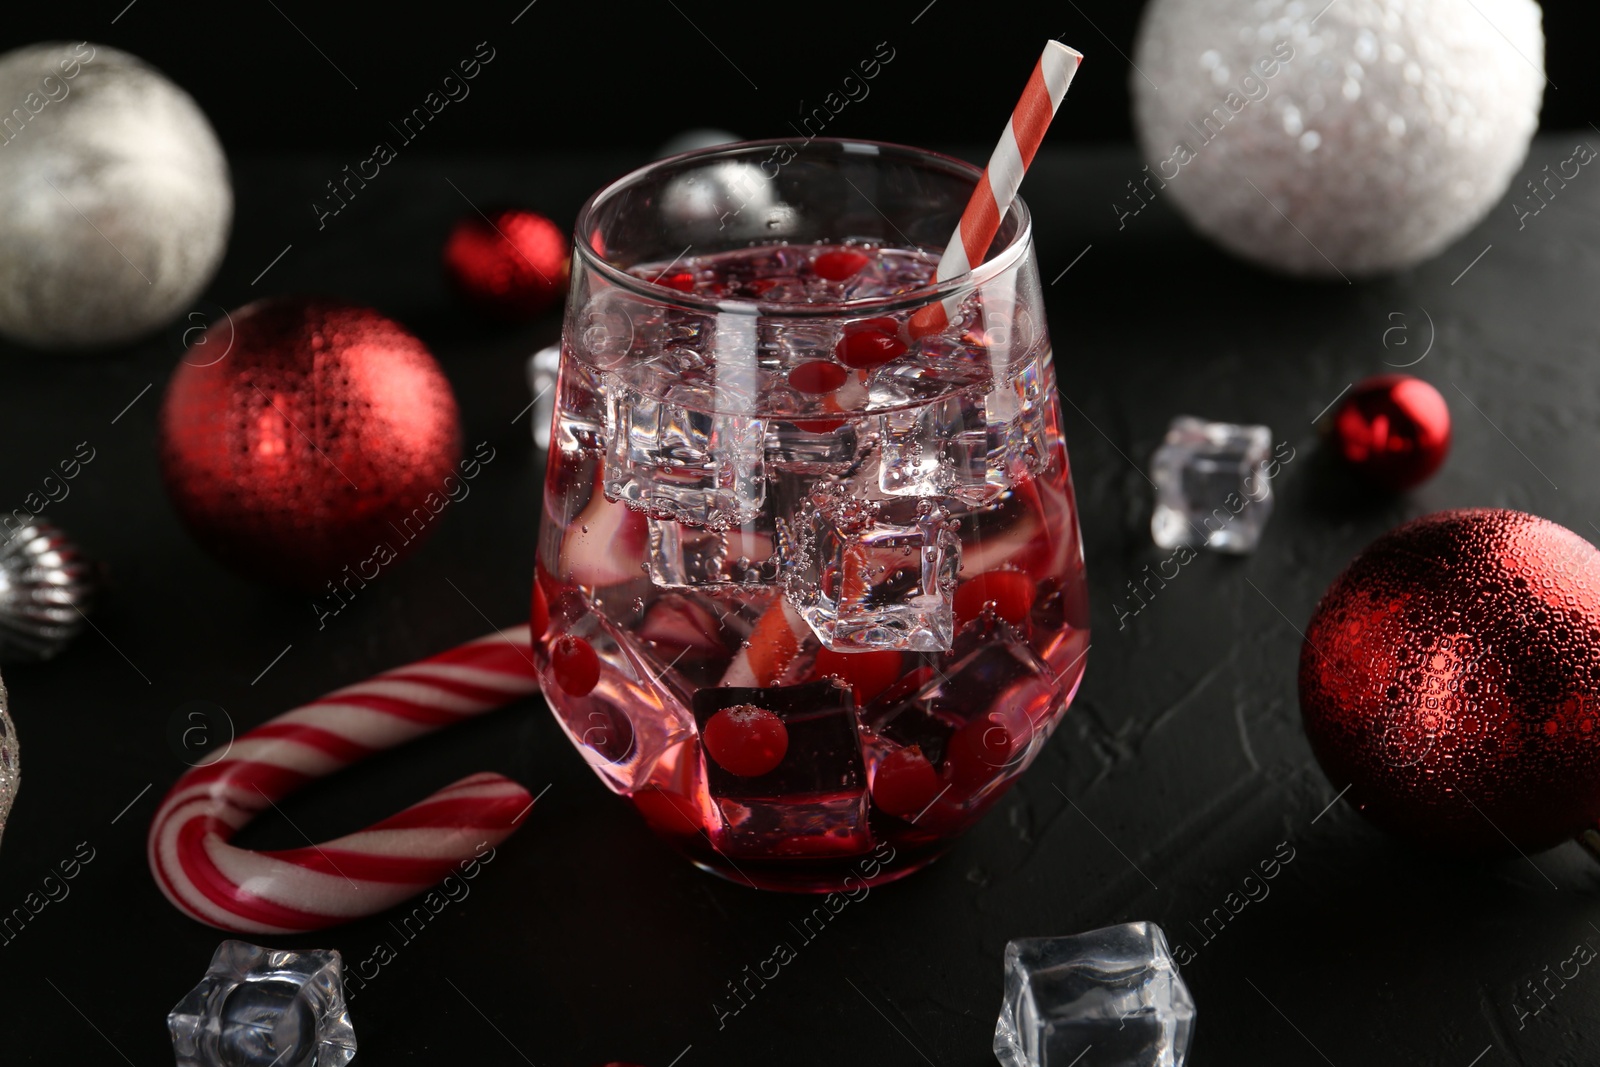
998, 186
303, 889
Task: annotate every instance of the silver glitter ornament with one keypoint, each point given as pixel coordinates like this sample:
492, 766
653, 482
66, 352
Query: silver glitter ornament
114, 197
10, 762
46, 589
1339, 139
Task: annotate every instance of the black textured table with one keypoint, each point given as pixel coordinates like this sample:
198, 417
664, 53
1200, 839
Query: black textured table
586, 940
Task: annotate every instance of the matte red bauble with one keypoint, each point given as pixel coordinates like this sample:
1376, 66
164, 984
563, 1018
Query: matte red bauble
512, 264
1394, 429
319, 439
1451, 677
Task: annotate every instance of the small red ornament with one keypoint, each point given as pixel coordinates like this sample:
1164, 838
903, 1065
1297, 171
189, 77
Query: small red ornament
1451, 678
1394, 429
746, 740
514, 264
315, 450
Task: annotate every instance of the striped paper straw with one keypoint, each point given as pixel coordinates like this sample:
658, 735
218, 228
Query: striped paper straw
998, 186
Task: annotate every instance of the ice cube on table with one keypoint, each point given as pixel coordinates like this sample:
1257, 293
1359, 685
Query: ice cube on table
259, 1007
1212, 485
815, 801
675, 462
1115, 990
879, 575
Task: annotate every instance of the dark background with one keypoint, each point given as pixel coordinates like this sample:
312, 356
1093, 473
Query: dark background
630, 73
587, 940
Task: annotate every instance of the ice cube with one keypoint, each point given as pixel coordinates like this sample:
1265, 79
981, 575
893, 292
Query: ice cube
982, 708
675, 462
815, 801
1114, 990
1212, 485
969, 446
688, 557
812, 446
258, 1007
878, 575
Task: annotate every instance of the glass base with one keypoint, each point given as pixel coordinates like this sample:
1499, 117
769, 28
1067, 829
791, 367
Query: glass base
812, 876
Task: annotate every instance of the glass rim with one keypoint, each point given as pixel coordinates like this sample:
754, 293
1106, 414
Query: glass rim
1007, 258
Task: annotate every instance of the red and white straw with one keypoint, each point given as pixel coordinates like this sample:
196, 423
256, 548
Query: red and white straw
303, 889
998, 186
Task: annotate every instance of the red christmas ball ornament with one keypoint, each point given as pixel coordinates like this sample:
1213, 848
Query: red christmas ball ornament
512, 264
315, 448
1451, 677
1394, 429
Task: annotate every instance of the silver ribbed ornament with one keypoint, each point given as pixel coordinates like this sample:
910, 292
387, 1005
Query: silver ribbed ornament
46, 588
10, 762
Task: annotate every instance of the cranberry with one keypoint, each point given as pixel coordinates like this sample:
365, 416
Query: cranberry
681, 280
539, 615
670, 813
819, 425
905, 783
864, 345
745, 740
576, 666
1011, 593
818, 376
979, 750
839, 265
866, 673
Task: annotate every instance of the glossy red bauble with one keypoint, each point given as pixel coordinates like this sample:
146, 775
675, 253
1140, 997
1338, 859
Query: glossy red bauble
1394, 429
315, 442
1451, 678
512, 264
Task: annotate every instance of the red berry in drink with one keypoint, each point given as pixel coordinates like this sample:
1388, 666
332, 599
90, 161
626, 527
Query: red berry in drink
576, 666
1011, 593
671, 813
979, 750
818, 376
819, 425
905, 783
839, 265
539, 614
681, 280
866, 673
745, 740
865, 345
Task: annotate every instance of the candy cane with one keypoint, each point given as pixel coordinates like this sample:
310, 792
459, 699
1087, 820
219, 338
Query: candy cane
303, 889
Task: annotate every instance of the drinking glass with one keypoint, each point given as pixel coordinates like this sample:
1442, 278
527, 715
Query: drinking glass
814, 583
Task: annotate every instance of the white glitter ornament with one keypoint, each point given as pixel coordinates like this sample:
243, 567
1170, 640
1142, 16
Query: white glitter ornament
1338, 139
114, 197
